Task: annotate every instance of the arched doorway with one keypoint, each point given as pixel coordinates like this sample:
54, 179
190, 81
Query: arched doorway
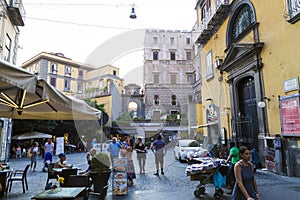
132, 109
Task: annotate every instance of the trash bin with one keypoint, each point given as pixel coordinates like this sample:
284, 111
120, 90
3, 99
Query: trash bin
293, 160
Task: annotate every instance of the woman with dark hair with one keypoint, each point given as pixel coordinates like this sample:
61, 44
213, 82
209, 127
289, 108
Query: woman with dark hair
245, 187
141, 151
35, 153
130, 166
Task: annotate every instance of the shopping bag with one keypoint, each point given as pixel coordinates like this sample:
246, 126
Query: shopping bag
219, 180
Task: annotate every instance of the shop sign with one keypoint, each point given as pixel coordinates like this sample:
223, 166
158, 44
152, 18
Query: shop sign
290, 115
291, 84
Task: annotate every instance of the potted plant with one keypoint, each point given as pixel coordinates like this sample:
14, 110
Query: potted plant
100, 162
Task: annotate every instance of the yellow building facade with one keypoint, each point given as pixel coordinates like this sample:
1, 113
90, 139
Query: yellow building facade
250, 72
80, 80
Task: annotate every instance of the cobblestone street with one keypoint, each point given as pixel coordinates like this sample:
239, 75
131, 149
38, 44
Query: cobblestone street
173, 185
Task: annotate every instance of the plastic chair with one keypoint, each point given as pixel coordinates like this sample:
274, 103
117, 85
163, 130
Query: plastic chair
51, 173
18, 175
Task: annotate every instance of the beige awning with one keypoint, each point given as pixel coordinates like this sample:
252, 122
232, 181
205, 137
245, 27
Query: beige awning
31, 135
22, 96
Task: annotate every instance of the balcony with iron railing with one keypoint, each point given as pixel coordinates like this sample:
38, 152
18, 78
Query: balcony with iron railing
213, 19
16, 12
92, 93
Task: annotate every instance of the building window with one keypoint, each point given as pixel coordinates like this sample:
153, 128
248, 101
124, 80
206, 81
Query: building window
173, 78
53, 81
173, 100
67, 85
190, 78
190, 98
294, 10
7, 48
155, 40
30, 69
172, 56
156, 78
209, 66
205, 9
101, 84
171, 40
155, 55
188, 40
79, 87
188, 55
67, 71
36, 68
114, 72
156, 100
53, 68
243, 20
80, 74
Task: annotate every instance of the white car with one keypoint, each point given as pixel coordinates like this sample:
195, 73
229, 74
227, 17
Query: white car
185, 146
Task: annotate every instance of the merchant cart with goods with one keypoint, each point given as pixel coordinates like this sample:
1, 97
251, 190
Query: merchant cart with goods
207, 170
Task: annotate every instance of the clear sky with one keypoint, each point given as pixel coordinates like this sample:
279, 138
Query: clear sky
77, 27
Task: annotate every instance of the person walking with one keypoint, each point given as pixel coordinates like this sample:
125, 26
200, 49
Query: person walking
232, 159
114, 150
158, 147
141, 151
130, 166
49, 146
34, 155
245, 187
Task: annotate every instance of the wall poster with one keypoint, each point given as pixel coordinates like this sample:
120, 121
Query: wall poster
290, 115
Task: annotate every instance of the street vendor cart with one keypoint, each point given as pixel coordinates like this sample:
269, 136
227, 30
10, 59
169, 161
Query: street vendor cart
207, 170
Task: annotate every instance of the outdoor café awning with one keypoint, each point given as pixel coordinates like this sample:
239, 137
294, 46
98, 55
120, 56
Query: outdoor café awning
126, 131
205, 125
31, 135
22, 96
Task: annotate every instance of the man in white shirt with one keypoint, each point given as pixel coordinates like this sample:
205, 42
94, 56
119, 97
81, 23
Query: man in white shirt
49, 146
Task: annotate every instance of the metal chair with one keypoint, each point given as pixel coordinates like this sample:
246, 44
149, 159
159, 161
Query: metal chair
101, 184
78, 181
51, 173
18, 175
66, 173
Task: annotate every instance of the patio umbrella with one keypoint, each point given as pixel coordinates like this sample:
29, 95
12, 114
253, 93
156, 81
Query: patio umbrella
22, 96
31, 135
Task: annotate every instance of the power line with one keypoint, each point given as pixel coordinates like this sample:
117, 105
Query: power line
75, 4
79, 24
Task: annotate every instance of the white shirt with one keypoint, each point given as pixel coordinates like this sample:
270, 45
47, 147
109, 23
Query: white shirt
49, 147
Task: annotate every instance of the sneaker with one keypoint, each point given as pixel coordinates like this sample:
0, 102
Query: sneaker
34, 170
162, 173
156, 174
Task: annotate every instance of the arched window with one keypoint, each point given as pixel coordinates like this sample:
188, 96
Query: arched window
242, 21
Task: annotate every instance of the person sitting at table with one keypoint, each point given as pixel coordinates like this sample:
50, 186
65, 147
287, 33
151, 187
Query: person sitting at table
61, 162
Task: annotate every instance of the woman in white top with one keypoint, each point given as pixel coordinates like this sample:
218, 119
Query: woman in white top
130, 166
35, 153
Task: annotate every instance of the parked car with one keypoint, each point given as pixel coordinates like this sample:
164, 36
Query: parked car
184, 146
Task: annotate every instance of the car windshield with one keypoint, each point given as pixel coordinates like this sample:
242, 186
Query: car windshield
190, 143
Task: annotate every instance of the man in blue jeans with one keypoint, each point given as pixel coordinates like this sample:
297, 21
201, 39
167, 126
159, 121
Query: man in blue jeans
158, 147
114, 150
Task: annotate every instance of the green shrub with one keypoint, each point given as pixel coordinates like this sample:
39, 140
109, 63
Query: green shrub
100, 162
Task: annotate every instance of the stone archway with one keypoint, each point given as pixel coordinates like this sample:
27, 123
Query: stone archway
133, 100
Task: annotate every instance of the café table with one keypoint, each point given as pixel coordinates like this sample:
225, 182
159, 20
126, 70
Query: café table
59, 170
3, 176
61, 193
